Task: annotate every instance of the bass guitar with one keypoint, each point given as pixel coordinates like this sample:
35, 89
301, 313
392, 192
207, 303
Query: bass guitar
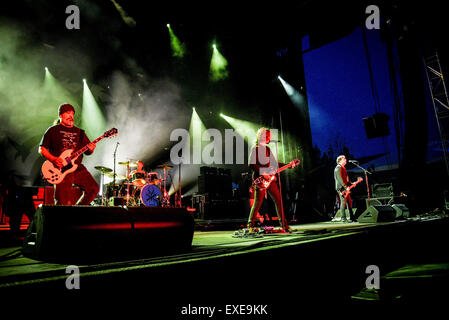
345, 192
264, 181
54, 175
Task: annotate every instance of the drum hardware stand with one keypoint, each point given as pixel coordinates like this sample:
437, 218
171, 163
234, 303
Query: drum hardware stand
165, 198
102, 189
178, 202
113, 177
165, 203
128, 183
103, 171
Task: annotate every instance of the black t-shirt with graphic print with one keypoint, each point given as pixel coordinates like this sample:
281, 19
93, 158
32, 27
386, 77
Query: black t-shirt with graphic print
59, 138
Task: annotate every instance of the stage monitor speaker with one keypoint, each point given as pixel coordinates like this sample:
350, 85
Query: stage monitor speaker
402, 212
373, 202
382, 190
67, 231
377, 213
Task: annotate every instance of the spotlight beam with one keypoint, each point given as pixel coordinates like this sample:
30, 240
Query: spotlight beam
177, 47
92, 118
218, 65
295, 96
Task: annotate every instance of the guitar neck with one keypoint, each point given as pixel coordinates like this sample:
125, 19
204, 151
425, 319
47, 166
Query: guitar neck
284, 168
356, 183
84, 149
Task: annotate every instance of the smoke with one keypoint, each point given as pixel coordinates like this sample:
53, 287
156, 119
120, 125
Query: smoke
126, 18
145, 115
29, 97
23, 115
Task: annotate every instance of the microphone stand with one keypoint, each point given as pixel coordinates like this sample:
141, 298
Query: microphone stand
279, 179
366, 178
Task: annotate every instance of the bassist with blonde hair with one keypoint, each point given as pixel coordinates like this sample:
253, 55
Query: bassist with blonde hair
264, 166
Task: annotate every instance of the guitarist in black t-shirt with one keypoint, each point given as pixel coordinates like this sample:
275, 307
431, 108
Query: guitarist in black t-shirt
64, 136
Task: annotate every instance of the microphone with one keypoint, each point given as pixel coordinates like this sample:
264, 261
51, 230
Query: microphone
275, 141
353, 161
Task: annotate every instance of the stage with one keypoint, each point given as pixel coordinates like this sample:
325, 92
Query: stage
321, 263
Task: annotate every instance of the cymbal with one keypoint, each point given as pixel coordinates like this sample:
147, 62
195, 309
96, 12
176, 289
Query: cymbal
164, 166
126, 163
111, 175
103, 169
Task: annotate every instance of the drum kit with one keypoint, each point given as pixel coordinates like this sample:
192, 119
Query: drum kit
137, 188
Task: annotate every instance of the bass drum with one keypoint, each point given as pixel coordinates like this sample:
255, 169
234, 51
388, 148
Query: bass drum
151, 195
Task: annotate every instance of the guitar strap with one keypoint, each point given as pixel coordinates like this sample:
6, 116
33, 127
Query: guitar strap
79, 146
81, 137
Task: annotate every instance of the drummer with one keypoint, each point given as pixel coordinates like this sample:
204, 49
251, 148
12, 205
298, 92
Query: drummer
138, 176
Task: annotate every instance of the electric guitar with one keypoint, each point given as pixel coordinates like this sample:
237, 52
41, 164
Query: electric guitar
345, 192
53, 174
265, 181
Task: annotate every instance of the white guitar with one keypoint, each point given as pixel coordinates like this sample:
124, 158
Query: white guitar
55, 175
264, 182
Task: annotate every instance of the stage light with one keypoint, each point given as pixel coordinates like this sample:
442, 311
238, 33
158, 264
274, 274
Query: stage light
190, 166
55, 93
246, 129
178, 48
196, 130
295, 96
92, 118
218, 65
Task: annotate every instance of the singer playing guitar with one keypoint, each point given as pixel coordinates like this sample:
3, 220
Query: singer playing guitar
343, 186
264, 166
78, 187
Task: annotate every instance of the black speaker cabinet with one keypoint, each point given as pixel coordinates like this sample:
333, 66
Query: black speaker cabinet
378, 213
58, 231
376, 125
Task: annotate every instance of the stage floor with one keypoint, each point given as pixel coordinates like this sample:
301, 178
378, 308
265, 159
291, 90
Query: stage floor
17, 270
322, 263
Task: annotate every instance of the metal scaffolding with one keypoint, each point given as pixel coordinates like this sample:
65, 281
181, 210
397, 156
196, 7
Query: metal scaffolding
440, 101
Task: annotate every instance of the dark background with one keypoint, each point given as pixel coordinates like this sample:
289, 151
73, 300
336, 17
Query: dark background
260, 41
